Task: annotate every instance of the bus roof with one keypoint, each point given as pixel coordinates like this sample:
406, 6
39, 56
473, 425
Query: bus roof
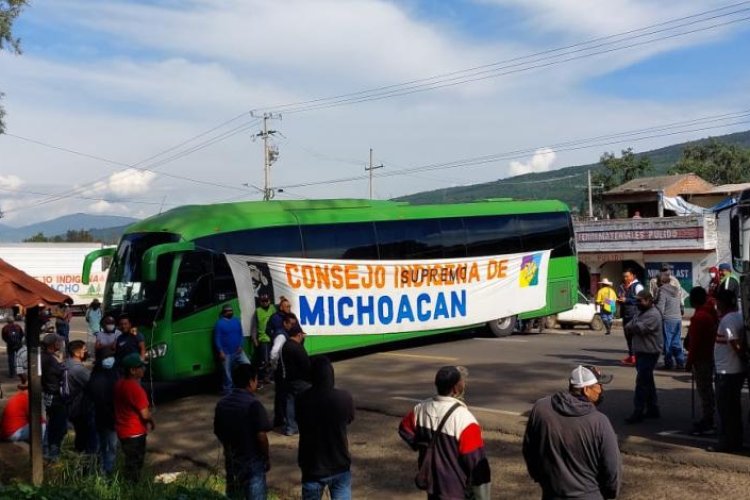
195, 221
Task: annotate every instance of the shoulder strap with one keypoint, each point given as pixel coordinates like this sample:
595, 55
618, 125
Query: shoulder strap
445, 419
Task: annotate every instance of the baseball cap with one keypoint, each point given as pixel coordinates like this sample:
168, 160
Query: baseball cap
586, 375
725, 267
132, 360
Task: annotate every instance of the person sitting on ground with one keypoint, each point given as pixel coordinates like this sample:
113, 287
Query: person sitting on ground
701, 337
241, 424
323, 414
15, 423
570, 448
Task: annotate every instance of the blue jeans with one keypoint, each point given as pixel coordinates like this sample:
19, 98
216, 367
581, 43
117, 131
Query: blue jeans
108, 444
246, 480
230, 361
339, 485
645, 386
607, 319
673, 343
293, 389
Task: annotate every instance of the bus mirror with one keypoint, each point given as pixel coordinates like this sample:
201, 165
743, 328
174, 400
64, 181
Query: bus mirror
92, 257
151, 256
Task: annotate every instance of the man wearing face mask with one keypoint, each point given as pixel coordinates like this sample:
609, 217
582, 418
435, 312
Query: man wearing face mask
106, 338
570, 447
78, 402
449, 441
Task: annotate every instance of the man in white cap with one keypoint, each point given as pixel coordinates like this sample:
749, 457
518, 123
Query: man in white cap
570, 447
606, 299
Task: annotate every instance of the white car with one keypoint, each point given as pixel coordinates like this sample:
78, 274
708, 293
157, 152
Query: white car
583, 313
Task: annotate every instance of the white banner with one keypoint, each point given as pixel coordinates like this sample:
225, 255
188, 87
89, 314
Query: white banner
350, 297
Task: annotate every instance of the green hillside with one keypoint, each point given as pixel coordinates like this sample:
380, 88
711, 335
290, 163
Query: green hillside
570, 190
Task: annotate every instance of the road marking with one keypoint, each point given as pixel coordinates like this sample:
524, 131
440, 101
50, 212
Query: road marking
477, 408
502, 339
417, 356
682, 435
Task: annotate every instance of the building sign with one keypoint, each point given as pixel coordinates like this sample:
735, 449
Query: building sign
377, 297
683, 271
596, 259
687, 233
72, 285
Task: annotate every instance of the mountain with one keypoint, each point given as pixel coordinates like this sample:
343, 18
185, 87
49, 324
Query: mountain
570, 185
61, 225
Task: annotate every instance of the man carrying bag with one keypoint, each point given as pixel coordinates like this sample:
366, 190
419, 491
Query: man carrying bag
452, 461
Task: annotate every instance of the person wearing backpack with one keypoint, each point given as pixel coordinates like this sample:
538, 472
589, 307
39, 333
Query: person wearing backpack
13, 336
452, 463
606, 299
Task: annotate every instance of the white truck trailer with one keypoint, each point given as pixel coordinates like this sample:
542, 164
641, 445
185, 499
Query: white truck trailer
59, 266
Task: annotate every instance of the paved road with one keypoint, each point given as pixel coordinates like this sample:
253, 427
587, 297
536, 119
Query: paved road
506, 376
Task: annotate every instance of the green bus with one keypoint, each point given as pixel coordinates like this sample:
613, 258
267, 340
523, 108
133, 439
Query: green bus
170, 274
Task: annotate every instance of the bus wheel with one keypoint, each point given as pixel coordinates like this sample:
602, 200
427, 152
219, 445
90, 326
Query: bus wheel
502, 327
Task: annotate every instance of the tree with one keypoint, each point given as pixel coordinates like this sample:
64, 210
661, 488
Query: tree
715, 161
9, 11
616, 171
71, 236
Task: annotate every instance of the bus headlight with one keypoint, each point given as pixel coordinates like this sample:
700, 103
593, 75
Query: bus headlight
157, 351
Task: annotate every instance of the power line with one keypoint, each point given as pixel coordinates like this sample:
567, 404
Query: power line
480, 72
597, 141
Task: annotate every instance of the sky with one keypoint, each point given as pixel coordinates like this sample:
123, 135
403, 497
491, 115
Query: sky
106, 97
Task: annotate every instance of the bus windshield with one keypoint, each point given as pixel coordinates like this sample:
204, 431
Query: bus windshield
126, 292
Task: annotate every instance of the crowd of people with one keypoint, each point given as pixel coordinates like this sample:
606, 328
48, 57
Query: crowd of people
570, 448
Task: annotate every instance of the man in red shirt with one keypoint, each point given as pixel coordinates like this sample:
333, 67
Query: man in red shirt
15, 422
701, 336
132, 415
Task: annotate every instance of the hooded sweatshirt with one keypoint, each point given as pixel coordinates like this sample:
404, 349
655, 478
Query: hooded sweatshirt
571, 449
646, 331
322, 414
669, 301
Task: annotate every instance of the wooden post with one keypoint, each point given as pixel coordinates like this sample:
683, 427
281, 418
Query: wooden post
33, 330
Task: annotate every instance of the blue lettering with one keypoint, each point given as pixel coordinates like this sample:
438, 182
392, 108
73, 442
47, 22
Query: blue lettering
458, 305
404, 310
385, 310
423, 299
441, 307
331, 316
344, 318
368, 309
311, 316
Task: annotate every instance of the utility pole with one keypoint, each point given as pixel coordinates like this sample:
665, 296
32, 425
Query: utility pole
270, 154
370, 169
591, 202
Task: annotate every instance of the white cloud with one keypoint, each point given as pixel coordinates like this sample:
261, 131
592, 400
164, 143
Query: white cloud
105, 207
130, 182
10, 182
541, 162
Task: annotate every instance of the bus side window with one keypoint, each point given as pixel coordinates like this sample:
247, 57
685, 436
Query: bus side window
547, 231
282, 241
193, 290
409, 239
492, 235
454, 237
224, 286
355, 241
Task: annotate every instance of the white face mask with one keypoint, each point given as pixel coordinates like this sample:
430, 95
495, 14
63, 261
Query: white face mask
713, 275
108, 363
109, 328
